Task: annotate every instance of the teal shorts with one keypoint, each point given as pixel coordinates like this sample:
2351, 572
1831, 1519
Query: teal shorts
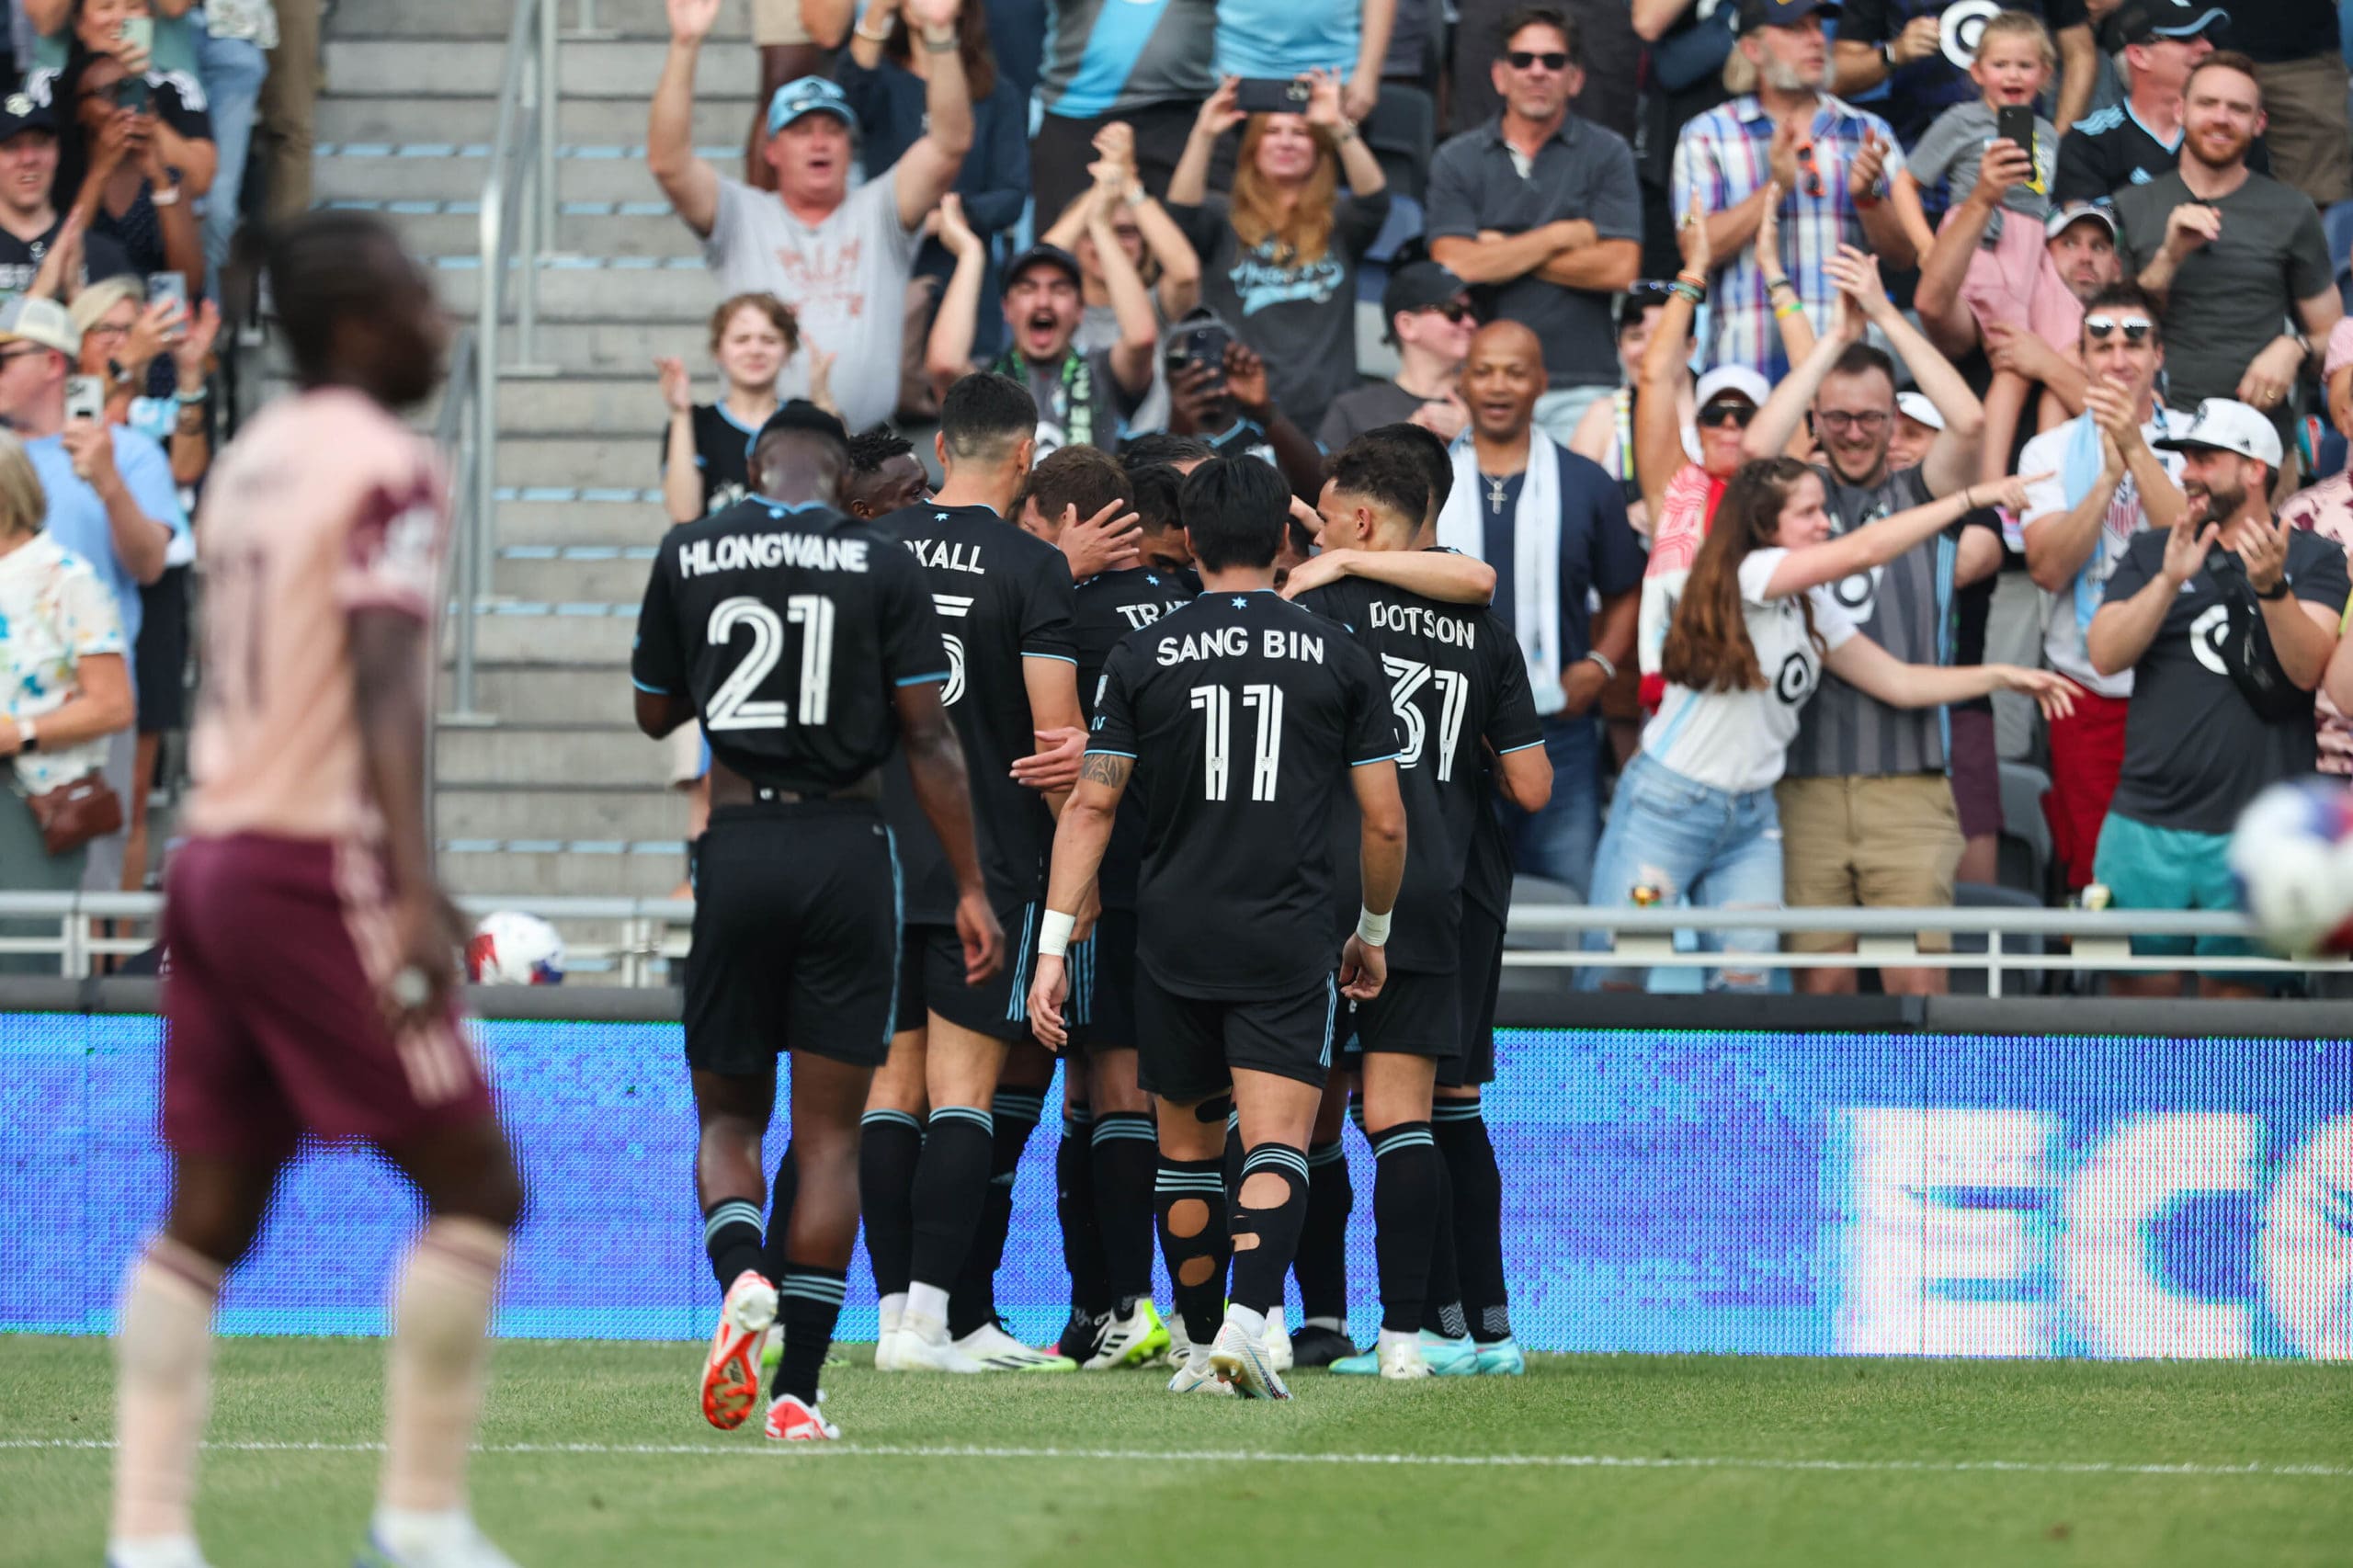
2170, 867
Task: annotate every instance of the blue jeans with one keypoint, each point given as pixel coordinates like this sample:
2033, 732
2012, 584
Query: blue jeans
1557, 841
1699, 845
232, 70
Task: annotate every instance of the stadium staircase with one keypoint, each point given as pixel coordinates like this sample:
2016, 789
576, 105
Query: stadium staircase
559, 794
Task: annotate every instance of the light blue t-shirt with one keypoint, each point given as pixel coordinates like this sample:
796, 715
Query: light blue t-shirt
1281, 39
78, 518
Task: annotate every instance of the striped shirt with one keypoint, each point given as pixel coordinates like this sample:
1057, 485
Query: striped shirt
1721, 159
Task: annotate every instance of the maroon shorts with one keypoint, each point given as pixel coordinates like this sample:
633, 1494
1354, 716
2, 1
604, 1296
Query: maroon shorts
280, 950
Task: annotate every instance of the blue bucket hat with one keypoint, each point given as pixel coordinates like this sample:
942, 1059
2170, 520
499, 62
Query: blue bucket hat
810, 94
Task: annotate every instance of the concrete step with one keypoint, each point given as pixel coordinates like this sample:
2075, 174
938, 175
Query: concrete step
435, 229
650, 871
680, 292
546, 693
560, 578
618, 407
581, 522
579, 460
436, 18
612, 172
720, 119
431, 67
504, 636
550, 753
584, 811
623, 344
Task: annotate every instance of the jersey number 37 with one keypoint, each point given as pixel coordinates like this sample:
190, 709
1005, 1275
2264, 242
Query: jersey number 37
732, 706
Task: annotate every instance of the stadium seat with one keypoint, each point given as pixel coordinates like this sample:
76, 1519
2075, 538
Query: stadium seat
2014, 982
2025, 833
1402, 131
2337, 223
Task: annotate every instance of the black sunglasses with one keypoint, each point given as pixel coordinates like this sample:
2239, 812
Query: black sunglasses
1551, 60
1716, 413
2100, 328
1454, 311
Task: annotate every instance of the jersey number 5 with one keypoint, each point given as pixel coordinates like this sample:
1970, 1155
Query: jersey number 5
1406, 678
732, 706
1215, 704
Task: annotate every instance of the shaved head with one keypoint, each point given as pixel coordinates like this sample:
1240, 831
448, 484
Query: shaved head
1499, 337
1502, 378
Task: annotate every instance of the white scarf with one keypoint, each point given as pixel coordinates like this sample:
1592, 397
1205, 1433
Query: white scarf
1535, 554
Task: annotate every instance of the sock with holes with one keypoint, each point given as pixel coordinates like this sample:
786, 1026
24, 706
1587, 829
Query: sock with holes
788, 1182
1075, 1207
1461, 1133
730, 1234
890, 1147
163, 1350
1194, 1242
808, 1301
1233, 1162
951, 1186
1442, 1303
1126, 1157
1323, 1261
1406, 1179
1265, 1235
1013, 1115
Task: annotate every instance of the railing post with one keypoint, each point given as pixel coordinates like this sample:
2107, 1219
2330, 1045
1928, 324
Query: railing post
551, 130
1993, 968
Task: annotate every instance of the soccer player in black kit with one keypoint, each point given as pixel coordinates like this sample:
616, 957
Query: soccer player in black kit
1005, 601
1459, 689
1243, 717
807, 646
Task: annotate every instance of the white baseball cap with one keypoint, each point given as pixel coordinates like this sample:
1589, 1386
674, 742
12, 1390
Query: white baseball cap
1734, 379
2226, 425
1915, 406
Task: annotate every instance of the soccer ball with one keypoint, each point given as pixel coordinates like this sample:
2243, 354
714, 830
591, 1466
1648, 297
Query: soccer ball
2292, 853
510, 948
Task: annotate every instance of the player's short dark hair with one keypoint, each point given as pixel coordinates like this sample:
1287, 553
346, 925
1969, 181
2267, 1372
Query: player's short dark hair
984, 414
1861, 360
1428, 449
319, 276
1082, 479
2225, 60
1386, 473
1160, 447
2126, 295
1235, 509
1542, 16
1158, 488
870, 450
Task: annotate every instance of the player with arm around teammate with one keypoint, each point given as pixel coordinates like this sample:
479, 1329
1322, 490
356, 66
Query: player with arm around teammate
807, 646
1245, 715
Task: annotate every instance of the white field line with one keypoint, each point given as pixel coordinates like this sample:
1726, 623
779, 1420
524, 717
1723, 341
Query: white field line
1232, 1456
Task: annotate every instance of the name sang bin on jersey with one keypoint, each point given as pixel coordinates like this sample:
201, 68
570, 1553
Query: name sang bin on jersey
753, 551
1233, 642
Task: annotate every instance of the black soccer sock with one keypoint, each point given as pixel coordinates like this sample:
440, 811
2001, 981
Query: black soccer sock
951, 1186
1265, 1235
1190, 1198
1406, 1179
1076, 1207
1125, 1157
788, 1182
730, 1234
1233, 1162
890, 1147
1013, 1116
808, 1302
1323, 1262
1461, 1133
1442, 1303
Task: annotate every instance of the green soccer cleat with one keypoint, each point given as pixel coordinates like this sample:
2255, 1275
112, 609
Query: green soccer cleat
1449, 1358
1502, 1359
1359, 1364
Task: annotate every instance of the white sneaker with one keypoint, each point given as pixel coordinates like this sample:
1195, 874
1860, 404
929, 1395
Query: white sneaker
397, 1539
1131, 1341
1277, 1343
888, 1312
1242, 1360
730, 1372
921, 1344
1402, 1360
1191, 1379
998, 1351
155, 1551
1180, 1343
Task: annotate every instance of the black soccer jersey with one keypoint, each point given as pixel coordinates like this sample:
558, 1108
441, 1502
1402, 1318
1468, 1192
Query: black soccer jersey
1003, 596
1244, 714
1458, 683
788, 627
1112, 605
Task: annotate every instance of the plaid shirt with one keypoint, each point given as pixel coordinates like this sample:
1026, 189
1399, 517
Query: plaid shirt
1720, 160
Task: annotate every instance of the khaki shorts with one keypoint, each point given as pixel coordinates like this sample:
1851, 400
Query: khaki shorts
777, 22
1889, 842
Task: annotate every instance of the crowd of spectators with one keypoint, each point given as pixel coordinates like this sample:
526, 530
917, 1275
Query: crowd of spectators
1836, 327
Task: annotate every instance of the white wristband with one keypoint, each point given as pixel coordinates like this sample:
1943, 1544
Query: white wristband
1053, 934
1372, 929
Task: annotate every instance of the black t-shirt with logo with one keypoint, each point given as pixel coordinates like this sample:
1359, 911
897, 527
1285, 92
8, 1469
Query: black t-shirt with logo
722, 456
1244, 714
1003, 596
2111, 149
1458, 684
790, 629
2195, 753
102, 257
1111, 605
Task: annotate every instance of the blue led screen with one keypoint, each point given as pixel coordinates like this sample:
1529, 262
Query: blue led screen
1665, 1191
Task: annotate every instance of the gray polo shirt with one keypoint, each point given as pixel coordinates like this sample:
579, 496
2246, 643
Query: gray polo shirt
1585, 171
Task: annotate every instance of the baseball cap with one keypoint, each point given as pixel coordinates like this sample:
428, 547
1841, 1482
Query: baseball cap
2226, 425
1915, 406
1756, 13
1045, 256
1417, 286
35, 318
810, 94
2138, 21
1734, 379
2062, 218
801, 415
19, 112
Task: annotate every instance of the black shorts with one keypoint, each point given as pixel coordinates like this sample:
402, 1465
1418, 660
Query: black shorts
796, 936
1477, 979
1102, 1007
1189, 1046
159, 664
931, 978
1415, 1014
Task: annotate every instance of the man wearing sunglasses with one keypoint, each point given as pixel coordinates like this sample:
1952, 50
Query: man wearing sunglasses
1431, 322
1540, 210
2109, 482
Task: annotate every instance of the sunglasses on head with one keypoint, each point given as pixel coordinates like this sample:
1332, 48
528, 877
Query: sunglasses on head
1525, 59
2099, 328
1737, 414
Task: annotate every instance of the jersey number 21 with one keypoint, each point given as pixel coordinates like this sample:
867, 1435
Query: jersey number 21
732, 706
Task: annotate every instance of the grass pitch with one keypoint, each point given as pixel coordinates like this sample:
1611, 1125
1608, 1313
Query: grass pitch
595, 1454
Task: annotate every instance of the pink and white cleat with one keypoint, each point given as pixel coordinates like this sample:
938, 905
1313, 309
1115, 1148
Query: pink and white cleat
731, 1373
789, 1421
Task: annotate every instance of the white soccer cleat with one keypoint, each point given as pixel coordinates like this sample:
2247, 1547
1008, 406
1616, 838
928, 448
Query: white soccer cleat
401, 1540
921, 1344
1131, 1341
789, 1421
1242, 1360
998, 1351
155, 1551
1402, 1360
730, 1372
1277, 1343
1180, 1343
1190, 1378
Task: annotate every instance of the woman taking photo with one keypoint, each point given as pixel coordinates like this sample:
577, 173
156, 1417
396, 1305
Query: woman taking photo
706, 448
1279, 260
68, 686
1694, 819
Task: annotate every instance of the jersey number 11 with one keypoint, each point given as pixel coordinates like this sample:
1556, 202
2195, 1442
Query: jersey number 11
1215, 704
